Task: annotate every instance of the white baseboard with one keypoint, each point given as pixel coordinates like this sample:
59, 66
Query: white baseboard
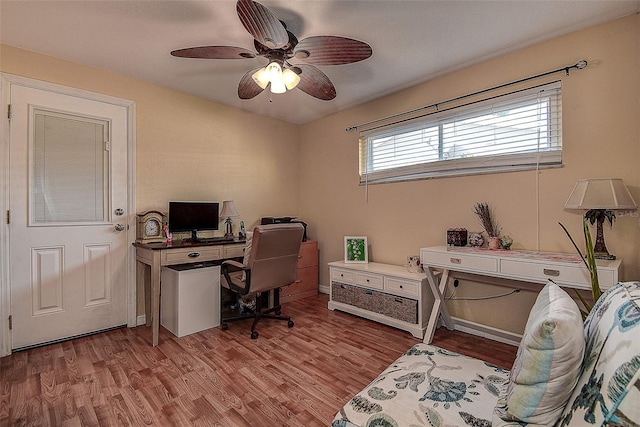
485, 331
323, 289
141, 320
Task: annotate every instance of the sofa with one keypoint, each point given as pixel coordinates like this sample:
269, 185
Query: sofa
567, 372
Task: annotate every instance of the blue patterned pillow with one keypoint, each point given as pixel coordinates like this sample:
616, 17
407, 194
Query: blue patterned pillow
548, 361
608, 389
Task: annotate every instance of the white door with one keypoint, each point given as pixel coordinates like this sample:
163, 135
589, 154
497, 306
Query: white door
67, 230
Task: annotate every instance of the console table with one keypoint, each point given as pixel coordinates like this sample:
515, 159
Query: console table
157, 255
566, 270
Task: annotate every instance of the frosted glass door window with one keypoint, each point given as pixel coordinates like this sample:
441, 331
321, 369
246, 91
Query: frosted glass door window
70, 167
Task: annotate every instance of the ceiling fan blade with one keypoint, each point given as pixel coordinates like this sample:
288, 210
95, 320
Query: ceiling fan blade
262, 24
331, 50
214, 52
247, 88
315, 83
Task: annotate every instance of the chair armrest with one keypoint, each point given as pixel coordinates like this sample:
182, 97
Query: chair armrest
232, 263
230, 266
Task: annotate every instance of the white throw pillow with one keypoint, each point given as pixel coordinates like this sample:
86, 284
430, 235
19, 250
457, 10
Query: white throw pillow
548, 361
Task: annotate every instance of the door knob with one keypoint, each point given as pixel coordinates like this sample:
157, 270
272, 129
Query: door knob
119, 227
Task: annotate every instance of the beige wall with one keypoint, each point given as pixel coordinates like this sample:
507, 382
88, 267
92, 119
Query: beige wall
189, 148
601, 135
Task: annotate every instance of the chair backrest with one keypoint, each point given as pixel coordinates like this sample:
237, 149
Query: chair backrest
273, 260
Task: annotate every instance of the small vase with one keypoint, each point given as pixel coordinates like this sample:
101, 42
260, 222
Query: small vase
475, 239
494, 242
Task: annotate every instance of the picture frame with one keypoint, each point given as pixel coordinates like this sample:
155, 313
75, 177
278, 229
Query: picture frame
356, 250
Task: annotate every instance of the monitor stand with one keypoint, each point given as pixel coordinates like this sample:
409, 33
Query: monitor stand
194, 236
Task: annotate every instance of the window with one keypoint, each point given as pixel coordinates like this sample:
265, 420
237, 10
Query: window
517, 131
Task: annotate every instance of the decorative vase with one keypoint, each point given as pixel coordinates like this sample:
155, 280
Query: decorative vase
506, 242
475, 239
494, 242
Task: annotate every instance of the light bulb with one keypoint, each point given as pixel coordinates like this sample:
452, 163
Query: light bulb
277, 86
275, 71
261, 77
290, 78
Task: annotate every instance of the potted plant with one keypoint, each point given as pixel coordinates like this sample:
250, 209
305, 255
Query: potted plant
589, 261
489, 224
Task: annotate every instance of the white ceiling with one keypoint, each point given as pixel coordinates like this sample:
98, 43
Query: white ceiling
412, 41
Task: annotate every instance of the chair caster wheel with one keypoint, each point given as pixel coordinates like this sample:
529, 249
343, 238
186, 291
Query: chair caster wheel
290, 323
254, 335
225, 326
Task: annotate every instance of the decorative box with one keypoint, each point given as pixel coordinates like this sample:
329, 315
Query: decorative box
457, 237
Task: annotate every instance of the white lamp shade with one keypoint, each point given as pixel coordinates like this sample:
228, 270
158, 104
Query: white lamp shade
277, 86
607, 193
291, 79
228, 209
261, 77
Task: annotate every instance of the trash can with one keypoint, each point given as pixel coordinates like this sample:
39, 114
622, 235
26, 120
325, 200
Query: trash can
190, 298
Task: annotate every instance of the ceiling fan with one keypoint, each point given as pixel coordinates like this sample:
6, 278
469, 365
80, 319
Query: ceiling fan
274, 42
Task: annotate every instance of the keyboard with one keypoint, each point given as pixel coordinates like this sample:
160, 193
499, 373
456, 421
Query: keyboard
215, 239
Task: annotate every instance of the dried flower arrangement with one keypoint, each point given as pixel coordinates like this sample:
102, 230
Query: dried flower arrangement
489, 223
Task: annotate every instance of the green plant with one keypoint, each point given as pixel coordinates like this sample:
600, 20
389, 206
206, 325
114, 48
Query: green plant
590, 262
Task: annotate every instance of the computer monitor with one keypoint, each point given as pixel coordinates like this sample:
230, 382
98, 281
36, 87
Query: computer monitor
193, 216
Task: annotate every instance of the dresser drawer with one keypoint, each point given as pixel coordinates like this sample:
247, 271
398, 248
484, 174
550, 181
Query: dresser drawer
234, 251
188, 255
568, 274
401, 287
343, 276
370, 281
459, 261
308, 256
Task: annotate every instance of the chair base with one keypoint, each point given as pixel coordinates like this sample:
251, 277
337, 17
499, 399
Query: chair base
258, 314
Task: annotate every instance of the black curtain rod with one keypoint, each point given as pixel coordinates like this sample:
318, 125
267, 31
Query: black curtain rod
578, 65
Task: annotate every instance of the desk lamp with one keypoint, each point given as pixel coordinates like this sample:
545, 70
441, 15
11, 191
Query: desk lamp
601, 198
228, 211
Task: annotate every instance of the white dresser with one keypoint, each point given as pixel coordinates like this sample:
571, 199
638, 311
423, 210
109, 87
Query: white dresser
566, 270
385, 293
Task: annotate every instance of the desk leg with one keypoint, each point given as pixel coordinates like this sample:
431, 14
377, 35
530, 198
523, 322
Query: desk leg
155, 297
439, 306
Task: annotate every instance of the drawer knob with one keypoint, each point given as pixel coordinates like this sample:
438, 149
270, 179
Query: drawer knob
194, 255
455, 260
367, 280
550, 272
400, 286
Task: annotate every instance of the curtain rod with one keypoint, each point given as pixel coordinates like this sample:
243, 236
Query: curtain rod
578, 65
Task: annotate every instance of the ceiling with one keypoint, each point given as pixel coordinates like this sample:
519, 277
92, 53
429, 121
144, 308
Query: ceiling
412, 41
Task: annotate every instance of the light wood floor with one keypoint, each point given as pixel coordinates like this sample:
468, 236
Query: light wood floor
287, 377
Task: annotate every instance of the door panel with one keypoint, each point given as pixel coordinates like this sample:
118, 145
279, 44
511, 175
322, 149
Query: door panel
68, 174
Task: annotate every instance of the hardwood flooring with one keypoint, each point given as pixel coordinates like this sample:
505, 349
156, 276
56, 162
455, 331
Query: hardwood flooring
287, 377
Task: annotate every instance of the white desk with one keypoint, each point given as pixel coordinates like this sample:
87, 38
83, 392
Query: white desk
158, 255
565, 269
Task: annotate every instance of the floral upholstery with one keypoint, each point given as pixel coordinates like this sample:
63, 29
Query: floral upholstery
429, 386
608, 390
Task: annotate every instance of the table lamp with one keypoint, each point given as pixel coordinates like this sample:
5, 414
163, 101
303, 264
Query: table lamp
601, 198
228, 211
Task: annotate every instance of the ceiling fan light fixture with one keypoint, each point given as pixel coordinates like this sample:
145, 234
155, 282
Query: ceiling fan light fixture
290, 78
261, 77
277, 86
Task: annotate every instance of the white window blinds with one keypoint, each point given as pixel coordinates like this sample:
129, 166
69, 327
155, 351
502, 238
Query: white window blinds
520, 130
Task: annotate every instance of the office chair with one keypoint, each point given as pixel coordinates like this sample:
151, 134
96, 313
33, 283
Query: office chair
272, 263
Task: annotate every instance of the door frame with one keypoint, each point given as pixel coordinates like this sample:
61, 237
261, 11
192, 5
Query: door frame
6, 81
